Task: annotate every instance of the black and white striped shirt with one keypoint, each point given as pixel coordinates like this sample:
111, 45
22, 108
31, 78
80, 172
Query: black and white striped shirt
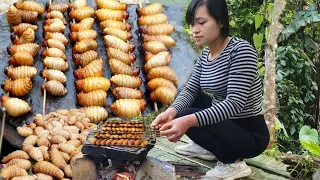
231, 78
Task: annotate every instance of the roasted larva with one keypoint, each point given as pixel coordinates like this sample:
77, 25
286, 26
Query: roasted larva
118, 67
30, 6
84, 24
126, 58
93, 69
14, 106
111, 4
158, 29
115, 24
55, 27
115, 42
54, 88
85, 58
163, 95
57, 36
55, 63
155, 83
81, 13
166, 40
154, 47
18, 87
54, 43
154, 8
53, 52
95, 113
20, 72
92, 84
56, 14
62, 7
51, 21
19, 29
128, 107
28, 16
31, 48
123, 35
127, 93
83, 34
93, 98
121, 80
85, 45
21, 59
26, 37
153, 19
107, 14
78, 4
160, 59
52, 74
13, 16
165, 72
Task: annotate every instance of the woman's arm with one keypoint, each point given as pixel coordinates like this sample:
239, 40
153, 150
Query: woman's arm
243, 70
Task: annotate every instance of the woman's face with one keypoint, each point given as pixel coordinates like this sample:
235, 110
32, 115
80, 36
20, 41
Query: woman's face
205, 29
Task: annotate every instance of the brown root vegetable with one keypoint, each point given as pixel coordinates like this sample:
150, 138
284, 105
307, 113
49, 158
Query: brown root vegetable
13, 171
57, 159
154, 47
127, 93
111, 4
123, 35
54, 88
160, 59
128, 107
31, 6
115, 42
18, 87
163, 95
118, 67
55, 27
157, 29
41, 176
54, 43
68, 171
20, 28
43, 141
21, 72
55, 63
24, 131
48, 168
84, 24
151, 9
78, 4
121, 80
26, 37
31, 48
54, 52
30, 140
15, 107
85, 58
52, 74
18, 154
81, 13
115, 24
166, 40
21, 59
153, 19
57, 139
85, 45
163, 72
108, 14
56, 14
83, 34
28, 16
13, 16
58, 36
93, 98
93, 69
92, 83
22, 163
96, 113
126, 58
45, 153
153, 84
62, 7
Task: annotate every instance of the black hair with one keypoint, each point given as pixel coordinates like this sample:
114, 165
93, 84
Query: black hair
217, 9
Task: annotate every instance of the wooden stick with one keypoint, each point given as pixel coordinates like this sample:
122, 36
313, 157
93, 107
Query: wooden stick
155, 106
44, 99
2, 126
188, 159
140, 3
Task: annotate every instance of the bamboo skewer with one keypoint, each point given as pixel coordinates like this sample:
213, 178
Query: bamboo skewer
2, 127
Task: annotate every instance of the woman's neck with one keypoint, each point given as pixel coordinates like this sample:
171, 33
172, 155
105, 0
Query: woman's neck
217, 46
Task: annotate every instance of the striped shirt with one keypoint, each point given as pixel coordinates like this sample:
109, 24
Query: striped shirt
231, 78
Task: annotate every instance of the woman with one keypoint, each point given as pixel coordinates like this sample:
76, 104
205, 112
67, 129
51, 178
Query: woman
231, 127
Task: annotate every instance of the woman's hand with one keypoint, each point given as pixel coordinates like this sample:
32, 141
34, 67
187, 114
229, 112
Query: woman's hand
164, 118
175, 129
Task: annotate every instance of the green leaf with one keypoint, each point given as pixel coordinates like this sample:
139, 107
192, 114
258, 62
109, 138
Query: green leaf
279, 125
257, 41
307, 134
312, 147
258, 20
311, 43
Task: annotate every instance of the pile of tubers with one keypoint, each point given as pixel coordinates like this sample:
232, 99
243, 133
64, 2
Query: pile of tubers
54, 141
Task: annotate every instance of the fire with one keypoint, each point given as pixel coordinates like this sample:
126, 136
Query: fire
123, 177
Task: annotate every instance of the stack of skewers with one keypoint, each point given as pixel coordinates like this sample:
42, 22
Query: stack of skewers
22, 16
112, 16
55, 60
155, 34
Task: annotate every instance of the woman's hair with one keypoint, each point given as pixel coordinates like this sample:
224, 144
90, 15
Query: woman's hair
217, 9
